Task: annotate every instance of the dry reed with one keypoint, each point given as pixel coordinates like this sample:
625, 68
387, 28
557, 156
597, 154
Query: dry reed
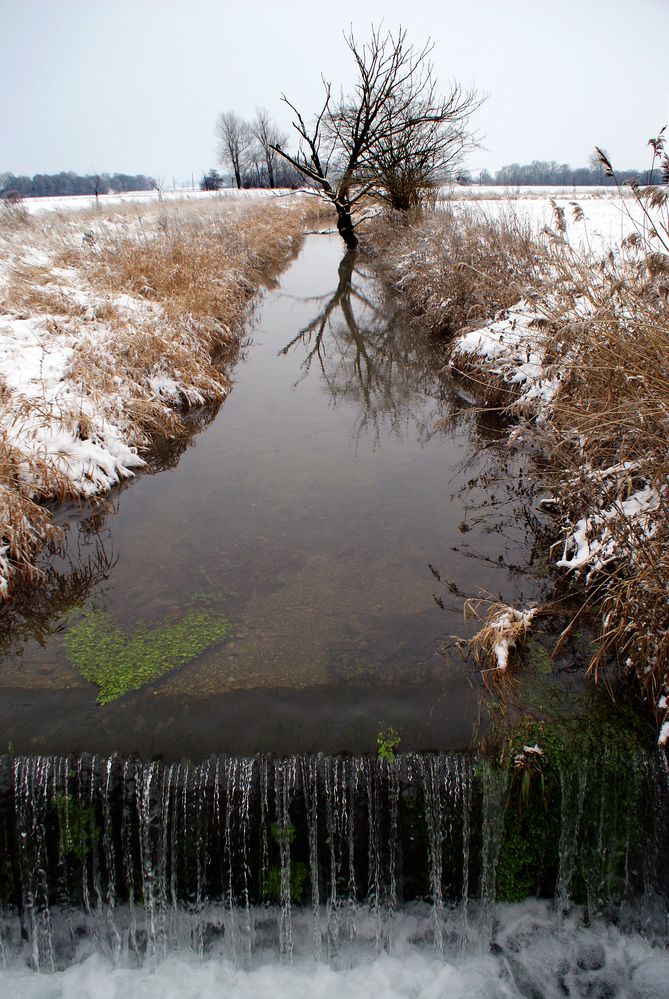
456, 269
603, 334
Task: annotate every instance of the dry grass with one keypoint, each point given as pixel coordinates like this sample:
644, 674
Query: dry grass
604, 333
144, 300
607, 435
456, 269
502, 633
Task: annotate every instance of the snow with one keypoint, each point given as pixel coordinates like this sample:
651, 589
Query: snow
506, 628
594, 541
511, 349
609, 218
41, 415
87, 202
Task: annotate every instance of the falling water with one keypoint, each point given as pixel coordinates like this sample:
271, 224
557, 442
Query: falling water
139, 861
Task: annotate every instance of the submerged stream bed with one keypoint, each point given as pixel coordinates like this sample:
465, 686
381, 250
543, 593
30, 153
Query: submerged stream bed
191, 800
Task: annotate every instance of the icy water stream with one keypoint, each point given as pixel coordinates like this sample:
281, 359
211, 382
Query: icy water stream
338, 481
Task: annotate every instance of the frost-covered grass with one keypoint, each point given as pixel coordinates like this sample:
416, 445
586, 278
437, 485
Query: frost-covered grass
574, 340
109, 322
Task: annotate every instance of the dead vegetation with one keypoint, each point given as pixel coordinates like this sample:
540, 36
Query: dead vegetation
502, 632
597, 333
607, 434
133, 307
455, 268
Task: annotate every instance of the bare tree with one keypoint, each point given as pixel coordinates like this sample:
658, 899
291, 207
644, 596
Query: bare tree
234, 138
394, 129
268, 137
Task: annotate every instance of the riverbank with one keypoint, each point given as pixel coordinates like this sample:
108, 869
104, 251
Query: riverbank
567, 328
110, 321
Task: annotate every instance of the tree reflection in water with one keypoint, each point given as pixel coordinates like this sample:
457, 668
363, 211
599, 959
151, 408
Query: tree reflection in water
369, 357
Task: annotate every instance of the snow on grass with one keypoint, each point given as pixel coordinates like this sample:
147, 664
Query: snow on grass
107, 327
508, 628
125, 199
595, 542
511, 349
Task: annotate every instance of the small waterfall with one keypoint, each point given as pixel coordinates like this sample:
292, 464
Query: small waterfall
137, 860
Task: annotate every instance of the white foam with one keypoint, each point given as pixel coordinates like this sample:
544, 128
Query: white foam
533, 954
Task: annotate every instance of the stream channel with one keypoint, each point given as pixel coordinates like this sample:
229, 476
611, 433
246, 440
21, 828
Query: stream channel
221, 824
309, 513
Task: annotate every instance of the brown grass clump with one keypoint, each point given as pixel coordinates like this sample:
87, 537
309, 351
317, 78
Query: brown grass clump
455, 269
502, 633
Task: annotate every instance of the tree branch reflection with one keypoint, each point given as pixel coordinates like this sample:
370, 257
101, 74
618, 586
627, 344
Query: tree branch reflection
368, 358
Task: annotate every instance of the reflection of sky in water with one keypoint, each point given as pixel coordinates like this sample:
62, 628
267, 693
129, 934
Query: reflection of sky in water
311, 509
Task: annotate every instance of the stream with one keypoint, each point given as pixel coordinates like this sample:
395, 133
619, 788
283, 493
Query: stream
339, 497
191, 799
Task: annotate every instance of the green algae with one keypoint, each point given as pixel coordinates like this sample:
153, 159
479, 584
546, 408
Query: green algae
119, 663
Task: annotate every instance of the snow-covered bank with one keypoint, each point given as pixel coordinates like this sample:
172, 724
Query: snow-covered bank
566, 325
126, 199
108, 321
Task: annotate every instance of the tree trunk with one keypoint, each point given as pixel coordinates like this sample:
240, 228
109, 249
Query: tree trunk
270, 171
345, 226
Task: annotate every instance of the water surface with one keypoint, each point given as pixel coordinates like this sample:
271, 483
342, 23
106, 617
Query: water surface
344, 492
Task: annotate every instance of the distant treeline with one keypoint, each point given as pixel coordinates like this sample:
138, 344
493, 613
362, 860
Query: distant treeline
55, 184
544, 172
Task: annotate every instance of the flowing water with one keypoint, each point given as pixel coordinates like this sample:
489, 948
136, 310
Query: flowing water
223, 825
265, 876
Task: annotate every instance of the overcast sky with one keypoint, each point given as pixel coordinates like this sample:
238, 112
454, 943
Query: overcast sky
136, 85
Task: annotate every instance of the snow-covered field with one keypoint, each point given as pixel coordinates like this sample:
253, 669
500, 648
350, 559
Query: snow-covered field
607, 218
117, 202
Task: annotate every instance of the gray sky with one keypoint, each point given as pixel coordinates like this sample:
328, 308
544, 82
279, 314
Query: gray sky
136, 85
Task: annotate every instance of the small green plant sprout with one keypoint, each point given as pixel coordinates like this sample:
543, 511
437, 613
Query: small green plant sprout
271, 882
387, 742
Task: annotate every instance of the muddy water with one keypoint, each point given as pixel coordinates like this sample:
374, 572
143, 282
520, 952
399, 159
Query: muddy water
340, 479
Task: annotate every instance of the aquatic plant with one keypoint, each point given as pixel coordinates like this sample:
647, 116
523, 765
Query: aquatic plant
387, 742
574, 798
271, 882
119, 663
78, 829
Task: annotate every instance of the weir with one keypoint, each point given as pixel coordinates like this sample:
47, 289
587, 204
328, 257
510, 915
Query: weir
137, 860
